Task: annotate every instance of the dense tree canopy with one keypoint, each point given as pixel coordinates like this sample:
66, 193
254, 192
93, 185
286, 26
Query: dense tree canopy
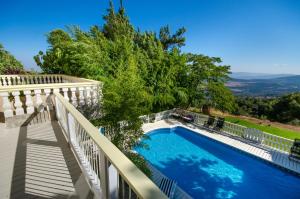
8, 63
171, 77
285, 109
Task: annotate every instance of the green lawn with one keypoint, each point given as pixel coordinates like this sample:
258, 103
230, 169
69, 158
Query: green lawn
269, 129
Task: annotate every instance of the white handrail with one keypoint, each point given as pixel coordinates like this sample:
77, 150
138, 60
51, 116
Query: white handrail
99, 156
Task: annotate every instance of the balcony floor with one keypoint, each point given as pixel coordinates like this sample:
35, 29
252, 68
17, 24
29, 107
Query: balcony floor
36, 162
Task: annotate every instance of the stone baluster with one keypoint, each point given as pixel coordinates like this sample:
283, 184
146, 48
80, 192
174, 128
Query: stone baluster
4, 81
87, 95
48, 103
29, 81
65, 90
39, 101
29, 103
23, 80
41, 79
73, 97
45, 80
18, 81
13, 80
9, 81
81, 96
55, 79
36, 79
94, 94
7, 109
50, 79
18, 103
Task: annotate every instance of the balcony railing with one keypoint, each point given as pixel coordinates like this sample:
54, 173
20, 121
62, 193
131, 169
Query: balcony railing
249, 134
25, 94
109, 172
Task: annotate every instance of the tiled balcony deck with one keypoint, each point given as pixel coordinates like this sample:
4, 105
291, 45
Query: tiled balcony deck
36, 162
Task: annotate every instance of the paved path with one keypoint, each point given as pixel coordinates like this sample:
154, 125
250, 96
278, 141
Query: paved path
269, 155
36, 162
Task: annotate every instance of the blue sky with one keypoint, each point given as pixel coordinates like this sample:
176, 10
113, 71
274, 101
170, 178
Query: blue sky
250, 35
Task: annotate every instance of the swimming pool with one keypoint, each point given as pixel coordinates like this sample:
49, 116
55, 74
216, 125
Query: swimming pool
208, 169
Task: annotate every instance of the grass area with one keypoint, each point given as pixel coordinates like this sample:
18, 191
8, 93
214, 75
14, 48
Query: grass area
286, 133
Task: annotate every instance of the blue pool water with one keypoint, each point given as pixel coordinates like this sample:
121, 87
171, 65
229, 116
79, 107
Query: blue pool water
208, 169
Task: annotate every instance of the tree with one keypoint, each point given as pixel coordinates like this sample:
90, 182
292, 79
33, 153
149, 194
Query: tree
207, 83
8, 63
287, 108
168, 41
124, 100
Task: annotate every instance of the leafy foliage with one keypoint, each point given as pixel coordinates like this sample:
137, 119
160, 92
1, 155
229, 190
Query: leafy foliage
170, 77
284, 109
8, 63
140, 162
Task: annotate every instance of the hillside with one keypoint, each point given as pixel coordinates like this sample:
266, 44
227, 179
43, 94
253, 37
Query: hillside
265, 87
249, 76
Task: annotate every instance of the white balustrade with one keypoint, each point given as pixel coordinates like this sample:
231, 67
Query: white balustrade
87, 95
29, 103
18, 104
6, 105
81, 96
48, 103
4, 82
65, 91
37, 92
73, 96
94, 95
38, 100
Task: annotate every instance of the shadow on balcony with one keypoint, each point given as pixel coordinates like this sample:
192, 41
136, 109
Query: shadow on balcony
44, 165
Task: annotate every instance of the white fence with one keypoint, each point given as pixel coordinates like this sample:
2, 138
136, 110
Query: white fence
108, 170
249, 134
24, 94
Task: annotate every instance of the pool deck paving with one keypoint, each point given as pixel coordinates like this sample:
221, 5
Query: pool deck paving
270, 155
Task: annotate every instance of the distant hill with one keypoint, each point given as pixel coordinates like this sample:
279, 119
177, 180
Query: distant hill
265, 86
246, 75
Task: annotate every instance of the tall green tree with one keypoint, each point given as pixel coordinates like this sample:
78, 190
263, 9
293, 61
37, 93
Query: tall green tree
207, 80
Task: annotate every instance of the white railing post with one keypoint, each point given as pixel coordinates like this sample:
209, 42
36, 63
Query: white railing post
8, 81
73, 97
29, 103
104, 176
56, 101
18, 103
48, 103
7, 109
81, 96
4, 81
87, 95
65, 90
71, 124
39, 101
66, 112
94, 95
